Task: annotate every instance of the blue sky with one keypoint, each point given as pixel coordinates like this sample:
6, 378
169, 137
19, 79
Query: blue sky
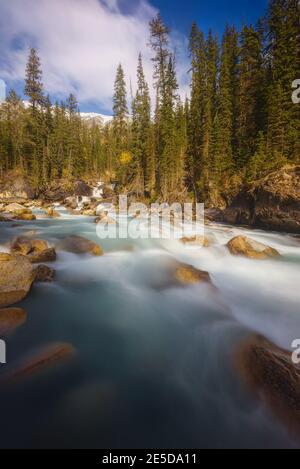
211, 13
81, 55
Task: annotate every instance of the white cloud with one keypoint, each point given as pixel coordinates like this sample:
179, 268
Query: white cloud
80, 43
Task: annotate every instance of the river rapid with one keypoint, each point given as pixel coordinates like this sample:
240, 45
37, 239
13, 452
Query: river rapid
154, 366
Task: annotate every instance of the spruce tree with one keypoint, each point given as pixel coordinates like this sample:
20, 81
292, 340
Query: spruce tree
120, 110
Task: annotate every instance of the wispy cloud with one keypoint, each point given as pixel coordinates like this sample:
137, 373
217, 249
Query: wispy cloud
80, 44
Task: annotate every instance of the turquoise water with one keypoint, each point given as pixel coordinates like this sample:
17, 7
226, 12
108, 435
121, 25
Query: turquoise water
153, 367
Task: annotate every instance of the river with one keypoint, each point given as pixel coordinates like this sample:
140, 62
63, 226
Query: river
154, 366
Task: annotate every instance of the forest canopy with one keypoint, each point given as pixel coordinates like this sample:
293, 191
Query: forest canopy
238, 124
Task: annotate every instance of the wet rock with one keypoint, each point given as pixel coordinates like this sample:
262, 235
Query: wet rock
247, 247
269, 372
53, 213
37, 250
25, 216
79, 245
89, 213
196, 240
4, 219
18, 212
14, 208
16, 278
43, 273
48, 255
50, 356
24, 245
11, 319
105, 219
189, 275
71, 202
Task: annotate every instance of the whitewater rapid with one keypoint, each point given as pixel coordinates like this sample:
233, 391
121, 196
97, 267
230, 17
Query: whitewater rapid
154, 365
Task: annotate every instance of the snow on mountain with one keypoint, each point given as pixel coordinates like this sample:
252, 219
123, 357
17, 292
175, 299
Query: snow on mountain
90, 117
96, 118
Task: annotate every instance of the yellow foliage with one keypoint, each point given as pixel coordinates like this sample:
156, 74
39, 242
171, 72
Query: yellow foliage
125, 158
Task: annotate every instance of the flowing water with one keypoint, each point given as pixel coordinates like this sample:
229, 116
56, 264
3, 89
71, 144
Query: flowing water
154, 366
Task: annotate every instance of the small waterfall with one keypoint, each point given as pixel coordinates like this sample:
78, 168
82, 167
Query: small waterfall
98, 190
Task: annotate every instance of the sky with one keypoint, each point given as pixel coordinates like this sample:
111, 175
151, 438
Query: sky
81, 42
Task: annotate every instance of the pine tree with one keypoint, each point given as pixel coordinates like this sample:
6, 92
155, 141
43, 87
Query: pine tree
195, 136
120, 110
159, 43
227, 101
251, 105
35, 131
33, 80
143, 166
284, 62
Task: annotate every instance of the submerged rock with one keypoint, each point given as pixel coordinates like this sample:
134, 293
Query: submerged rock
80, 245
268, 371
16, 278
247, 247
49, 356
197, 240
11, 319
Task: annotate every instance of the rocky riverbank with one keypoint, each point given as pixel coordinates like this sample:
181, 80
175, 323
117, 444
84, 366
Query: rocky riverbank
272, 203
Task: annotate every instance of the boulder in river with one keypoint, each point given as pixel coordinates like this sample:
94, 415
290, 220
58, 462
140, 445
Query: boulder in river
14, 208
25, 216
48, 255
16, 278
53, 213
189, 275
196, 240
105, 219
43, 273
79, 245
37, 250
11, 319
269, 372
25, 245
247, 247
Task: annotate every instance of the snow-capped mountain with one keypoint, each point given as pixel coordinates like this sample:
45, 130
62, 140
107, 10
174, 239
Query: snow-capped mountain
96, 118
90, 117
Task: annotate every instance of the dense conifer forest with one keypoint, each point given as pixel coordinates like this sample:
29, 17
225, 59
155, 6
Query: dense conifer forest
238, 124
